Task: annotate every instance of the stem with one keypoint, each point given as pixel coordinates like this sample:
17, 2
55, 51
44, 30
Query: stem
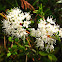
3, 15
28, 42
26, 56
27, 32
24, 39
4, 43
11, 44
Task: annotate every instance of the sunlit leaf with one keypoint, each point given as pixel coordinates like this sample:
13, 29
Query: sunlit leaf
8, 54
35, 11
10, 39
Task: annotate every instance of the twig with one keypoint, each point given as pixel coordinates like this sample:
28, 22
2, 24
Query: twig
27, 5
26, 55
28, 42
12, 45
27, 32
3, 15
4, 43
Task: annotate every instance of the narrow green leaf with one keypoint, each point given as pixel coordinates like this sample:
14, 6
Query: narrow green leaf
35, 11
27, 46
34, 50
22, 47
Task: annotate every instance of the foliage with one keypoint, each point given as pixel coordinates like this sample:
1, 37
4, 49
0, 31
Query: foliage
17, 50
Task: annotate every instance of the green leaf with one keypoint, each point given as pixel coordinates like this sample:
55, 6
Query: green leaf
9, 48
32, 21
43, 53
40, 11
10, 39
34, 50
21, 47
8, 54
14, 46
52, 57
58, 33
56, 37
35, 11
16, 39
27, 46
14, 53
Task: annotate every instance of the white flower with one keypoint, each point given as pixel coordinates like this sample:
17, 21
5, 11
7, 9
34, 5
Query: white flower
40, 43
50, 20
45, 32
26, 23
14, 23
41, 24
27, 15
60, 32
33, 32
50, 47
38, 33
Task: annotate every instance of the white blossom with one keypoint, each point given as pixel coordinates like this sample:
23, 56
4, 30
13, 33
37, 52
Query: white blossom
26, 23
50, 20
40, 43
15, 22
45, 33
27, 15
33, 32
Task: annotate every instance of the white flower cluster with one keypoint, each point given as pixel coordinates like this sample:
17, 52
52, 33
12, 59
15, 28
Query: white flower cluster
47, 29
16, 21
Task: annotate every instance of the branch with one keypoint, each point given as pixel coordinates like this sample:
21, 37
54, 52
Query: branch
28, 42
27, 5
26, 55
5, 43
12, 45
